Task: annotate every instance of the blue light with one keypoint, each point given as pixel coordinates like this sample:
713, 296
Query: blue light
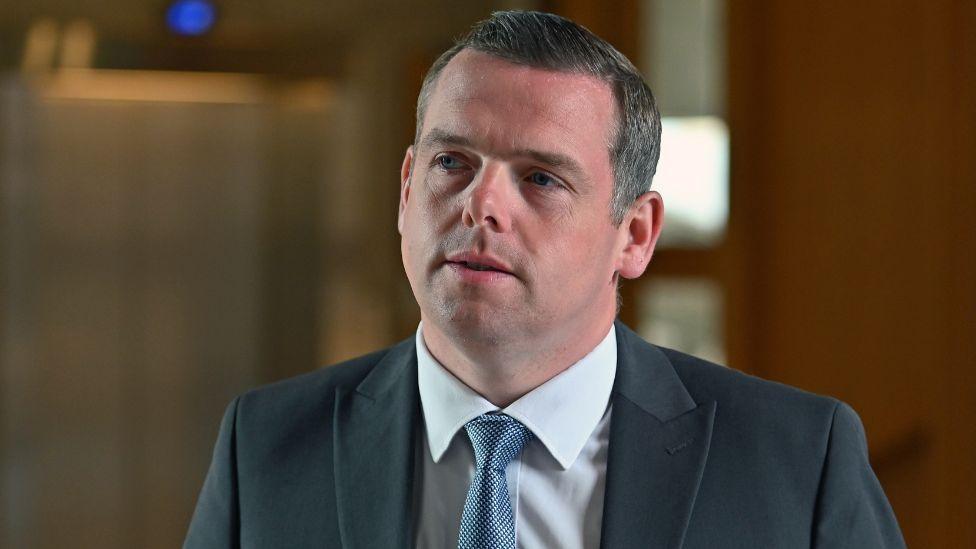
191, 17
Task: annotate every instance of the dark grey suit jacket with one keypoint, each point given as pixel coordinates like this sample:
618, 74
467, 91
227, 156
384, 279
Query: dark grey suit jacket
700, 456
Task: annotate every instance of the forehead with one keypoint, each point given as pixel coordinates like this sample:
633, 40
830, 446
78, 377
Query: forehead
504, 105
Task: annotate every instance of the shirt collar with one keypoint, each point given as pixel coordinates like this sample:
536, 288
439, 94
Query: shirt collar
562, 412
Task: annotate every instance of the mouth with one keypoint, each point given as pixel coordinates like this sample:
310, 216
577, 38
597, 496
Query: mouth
478, 265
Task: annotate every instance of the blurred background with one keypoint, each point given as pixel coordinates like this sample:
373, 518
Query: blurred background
198, 197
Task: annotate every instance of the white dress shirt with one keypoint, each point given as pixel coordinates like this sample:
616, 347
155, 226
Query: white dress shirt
556, 484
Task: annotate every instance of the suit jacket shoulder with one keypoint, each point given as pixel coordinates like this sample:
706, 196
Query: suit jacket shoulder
283, 462
737, 461
291, 402
765, 406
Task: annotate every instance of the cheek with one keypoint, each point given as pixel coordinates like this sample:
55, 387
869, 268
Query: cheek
406, 253
413, 237
427, 225
585, 258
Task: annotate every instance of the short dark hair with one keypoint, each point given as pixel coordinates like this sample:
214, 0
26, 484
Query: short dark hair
547, 41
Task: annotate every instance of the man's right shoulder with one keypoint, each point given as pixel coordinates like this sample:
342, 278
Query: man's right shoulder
313, 393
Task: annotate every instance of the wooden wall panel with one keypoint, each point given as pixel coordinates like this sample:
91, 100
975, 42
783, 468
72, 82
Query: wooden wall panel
853, 178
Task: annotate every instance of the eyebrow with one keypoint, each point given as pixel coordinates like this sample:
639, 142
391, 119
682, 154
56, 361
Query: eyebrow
559, 161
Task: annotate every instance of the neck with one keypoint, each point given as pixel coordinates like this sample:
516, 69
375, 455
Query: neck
504, 371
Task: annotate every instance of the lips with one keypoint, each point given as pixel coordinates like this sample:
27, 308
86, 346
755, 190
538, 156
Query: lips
479, 266
479, 262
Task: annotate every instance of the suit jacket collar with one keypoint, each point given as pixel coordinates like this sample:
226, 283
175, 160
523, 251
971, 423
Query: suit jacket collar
659, 439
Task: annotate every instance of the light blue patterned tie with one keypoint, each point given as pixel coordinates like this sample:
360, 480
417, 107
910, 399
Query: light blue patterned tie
488, 521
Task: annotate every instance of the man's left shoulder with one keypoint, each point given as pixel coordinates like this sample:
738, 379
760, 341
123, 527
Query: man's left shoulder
780, 436
795, 454
738, 392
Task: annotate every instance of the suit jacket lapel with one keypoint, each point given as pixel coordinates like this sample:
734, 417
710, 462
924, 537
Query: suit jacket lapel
659, 440
374, 453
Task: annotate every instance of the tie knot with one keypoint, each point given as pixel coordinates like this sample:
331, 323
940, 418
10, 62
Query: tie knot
497, 439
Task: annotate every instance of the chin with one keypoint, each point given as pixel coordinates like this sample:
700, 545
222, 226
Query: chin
476, 323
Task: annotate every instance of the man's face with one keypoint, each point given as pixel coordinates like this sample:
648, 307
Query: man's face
505, 203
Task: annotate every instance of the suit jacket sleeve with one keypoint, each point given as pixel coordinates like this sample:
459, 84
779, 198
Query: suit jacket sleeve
852, 510
216, 520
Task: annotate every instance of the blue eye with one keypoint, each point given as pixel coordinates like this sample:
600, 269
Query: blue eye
542, 179
449, 162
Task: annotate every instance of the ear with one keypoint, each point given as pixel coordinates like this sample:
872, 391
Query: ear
405, 172
640, 230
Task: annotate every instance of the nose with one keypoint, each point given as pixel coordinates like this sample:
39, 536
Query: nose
488, 202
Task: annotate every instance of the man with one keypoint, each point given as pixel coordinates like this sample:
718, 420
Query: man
521, 414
